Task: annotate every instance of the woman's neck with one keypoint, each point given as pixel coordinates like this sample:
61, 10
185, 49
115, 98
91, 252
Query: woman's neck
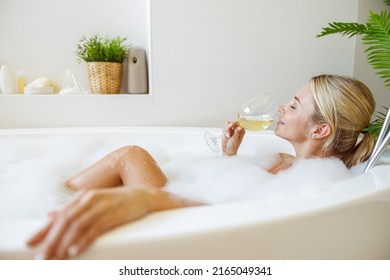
309, 149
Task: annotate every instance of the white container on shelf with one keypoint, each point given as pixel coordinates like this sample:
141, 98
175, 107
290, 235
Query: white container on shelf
41, 85
6, 80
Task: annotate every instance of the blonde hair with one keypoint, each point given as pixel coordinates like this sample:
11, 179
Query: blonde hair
346, 105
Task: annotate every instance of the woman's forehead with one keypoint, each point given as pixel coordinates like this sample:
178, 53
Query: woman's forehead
304, 95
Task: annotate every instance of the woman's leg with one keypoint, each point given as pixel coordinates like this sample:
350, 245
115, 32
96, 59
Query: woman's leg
129, 166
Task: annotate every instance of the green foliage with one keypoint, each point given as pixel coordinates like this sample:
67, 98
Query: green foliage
344, 28
97, 48
378, 54
376, 126
376, 34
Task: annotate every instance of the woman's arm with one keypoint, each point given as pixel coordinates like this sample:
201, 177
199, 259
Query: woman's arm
72, 229
232, 137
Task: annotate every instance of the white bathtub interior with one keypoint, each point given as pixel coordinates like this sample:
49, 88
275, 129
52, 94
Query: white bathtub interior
348, 219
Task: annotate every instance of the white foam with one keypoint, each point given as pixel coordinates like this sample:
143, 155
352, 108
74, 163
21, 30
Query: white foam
226, 179
33, 172
213, 179
308, 181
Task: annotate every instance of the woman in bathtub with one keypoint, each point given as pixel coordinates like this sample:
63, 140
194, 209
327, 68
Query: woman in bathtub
323, 119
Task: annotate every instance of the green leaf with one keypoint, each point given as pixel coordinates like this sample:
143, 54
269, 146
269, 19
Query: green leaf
376, 126
378, 38
97, 48
345, 28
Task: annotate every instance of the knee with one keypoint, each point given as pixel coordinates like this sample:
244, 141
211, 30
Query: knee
132, 149
132, 152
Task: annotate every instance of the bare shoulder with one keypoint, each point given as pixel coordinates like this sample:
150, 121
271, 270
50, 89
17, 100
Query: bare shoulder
286, 157
284, 162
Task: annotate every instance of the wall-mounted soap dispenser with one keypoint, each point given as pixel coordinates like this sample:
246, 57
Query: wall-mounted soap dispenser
137, 78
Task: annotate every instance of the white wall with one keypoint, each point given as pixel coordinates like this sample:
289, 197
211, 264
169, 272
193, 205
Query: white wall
211, 55
207, 56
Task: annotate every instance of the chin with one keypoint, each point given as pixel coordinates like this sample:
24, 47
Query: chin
279, 132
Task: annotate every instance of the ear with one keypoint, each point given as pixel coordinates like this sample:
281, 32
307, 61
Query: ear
321, 131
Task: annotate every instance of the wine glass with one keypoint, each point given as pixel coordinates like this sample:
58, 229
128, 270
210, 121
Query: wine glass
255, 114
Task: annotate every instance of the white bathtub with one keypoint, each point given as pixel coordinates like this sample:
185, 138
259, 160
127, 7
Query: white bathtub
351, 223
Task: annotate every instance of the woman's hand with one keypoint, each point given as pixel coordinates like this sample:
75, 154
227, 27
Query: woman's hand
72, 229
232, 137
93, 212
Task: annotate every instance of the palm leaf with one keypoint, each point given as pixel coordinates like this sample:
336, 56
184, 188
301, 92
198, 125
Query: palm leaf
345, 28
378, 37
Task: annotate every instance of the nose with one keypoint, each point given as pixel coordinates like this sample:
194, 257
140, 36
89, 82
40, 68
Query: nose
281, 109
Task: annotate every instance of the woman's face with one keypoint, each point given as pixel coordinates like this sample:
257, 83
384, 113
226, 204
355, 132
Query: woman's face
295, 119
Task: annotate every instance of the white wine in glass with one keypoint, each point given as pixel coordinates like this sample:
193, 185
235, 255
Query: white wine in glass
254, 124
255, 114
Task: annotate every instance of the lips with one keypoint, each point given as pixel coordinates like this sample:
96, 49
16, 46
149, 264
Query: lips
280, 122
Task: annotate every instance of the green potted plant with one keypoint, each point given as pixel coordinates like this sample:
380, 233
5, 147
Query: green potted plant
376, 34
104, 58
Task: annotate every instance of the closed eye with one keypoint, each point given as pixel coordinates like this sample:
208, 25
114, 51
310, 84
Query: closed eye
292, 107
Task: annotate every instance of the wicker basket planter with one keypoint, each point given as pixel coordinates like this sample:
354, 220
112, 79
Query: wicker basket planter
105, 77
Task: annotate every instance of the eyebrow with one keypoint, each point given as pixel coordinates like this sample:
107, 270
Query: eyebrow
297, 99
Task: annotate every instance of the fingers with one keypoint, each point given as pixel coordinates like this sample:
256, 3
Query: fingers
232, 138
66, 246
239, 133
83, 230
230, 129
40, 235
74, 228
233, 129
55, 236
51, 235
89, 235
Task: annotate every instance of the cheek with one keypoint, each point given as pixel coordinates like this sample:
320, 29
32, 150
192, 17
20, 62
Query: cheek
294, 129
293, 121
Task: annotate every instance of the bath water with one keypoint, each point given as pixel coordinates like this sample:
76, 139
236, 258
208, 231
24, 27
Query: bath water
33, 172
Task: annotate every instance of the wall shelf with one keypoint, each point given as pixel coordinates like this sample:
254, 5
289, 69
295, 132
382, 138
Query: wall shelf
91, 95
